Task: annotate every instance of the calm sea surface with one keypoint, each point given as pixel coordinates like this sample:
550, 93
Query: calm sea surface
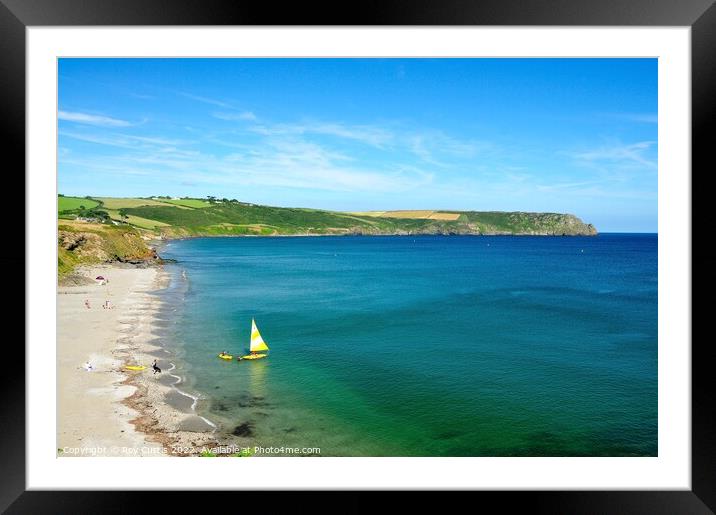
426, 345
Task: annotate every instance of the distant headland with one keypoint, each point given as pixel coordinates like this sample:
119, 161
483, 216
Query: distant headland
106, 229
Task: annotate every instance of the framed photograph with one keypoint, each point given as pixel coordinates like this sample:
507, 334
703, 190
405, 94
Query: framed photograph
428, 248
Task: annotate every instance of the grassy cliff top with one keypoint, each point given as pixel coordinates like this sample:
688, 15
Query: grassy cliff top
174, 217
101, 229
85, 243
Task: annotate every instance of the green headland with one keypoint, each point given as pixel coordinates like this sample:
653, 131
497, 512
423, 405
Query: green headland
105, 229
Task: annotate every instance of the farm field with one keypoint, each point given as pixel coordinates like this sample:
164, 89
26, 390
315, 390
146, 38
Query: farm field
121, 203
188, 202
420, 214
202, 216
143, 223
70, 203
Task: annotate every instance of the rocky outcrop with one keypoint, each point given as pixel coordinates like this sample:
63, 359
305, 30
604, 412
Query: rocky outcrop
509, 224
84, 243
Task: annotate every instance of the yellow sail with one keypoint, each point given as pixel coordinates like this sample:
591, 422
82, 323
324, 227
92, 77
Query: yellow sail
257, 343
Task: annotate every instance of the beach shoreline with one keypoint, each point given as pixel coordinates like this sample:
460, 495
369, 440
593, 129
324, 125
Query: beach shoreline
109, 410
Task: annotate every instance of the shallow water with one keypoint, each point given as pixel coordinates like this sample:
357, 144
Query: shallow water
424, 346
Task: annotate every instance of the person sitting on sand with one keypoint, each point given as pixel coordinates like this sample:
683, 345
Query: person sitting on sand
88, 366
156, 368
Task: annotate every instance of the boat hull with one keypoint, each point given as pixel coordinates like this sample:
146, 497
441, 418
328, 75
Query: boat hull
253, 356
227, 357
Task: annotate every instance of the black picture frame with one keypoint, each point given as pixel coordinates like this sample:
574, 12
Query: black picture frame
700, 15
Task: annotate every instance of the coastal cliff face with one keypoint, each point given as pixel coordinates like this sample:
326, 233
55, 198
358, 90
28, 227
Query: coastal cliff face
168, 218
88, 243
513, 224
117, 230
468, 223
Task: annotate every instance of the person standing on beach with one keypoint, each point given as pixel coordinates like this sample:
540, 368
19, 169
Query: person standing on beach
87, 303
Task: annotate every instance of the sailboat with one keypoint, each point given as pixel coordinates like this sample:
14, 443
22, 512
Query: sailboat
257, 344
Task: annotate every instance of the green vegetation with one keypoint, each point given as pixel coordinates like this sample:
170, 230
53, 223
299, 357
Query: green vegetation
102, 229
119, 203
234, 218
245, 452
189, 202
172, 218
74, 203
82, 243
527, 223
120, 215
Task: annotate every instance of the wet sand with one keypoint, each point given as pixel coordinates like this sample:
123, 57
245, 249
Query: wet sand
111, 411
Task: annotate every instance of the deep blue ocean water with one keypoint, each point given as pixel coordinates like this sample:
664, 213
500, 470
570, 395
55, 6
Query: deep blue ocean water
425, 345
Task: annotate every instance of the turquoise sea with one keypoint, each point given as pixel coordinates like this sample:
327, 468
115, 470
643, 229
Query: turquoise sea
422, 345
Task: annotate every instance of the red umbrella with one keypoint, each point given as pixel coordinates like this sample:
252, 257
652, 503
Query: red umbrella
99, 278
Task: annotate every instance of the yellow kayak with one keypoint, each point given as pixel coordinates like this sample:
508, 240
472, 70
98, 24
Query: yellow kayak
253, 356
227, 357
134, 367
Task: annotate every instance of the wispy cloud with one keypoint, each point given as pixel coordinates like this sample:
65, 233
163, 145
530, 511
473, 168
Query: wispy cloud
323, 156
619, 154
634, 117
436, 147
569, 186
419, 147
367, 134
243, 116
97, 139
370, 135
643, 118
142, 96
92, 119
284, 162
297, 163
432, 147
145, 144
207, 100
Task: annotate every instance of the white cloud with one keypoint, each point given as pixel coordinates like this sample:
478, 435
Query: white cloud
144, 143
243, 116
142, 96
154, 140
207, 100
643, 117
92, 119
290, 162
97, 139
370, 135
436, 147
619, 154
633, 117
419, 147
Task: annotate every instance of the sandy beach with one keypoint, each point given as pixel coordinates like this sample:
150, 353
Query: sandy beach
108, 410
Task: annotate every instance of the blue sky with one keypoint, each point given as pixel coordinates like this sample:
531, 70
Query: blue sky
559, 135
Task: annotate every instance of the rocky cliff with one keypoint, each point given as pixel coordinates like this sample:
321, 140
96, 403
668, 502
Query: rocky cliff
87, 243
